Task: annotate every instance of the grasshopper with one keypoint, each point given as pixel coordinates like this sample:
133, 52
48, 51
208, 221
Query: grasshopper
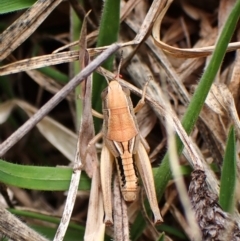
124, 145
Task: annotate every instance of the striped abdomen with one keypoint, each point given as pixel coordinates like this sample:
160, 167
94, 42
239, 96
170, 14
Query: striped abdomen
127, 175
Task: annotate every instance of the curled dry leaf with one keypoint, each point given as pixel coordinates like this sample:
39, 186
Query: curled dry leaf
178, 52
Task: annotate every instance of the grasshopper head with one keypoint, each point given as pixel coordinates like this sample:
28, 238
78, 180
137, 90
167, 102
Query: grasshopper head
114, 85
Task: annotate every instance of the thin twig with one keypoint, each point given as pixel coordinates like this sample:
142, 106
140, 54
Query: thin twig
72, 193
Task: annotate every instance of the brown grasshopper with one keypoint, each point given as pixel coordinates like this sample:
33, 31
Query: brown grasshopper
124, 145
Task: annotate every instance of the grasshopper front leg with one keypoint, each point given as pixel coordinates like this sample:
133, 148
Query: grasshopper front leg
145, 170
106, 169
97, 114
141, 102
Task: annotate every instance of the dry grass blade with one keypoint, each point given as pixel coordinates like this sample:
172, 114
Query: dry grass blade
225, 8
230, 106
95, 226
71, 197
194, 232
45, 60
46, 82
39, 62
87, 154
215, 101
5, 110
156, 8
128, 7
121, 226
13, 228
24, 26
81, 143
79, 10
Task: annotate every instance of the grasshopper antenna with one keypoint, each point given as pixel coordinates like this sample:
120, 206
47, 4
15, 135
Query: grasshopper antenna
118, 70
119, 66
102, 72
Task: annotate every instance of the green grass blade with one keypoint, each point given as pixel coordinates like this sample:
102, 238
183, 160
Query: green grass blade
49, 232
45, 178
44, 217
229, 175
161, 237
75, 231
163, 173
108, 34
76, 26
39, 178
55, 74
7, 6
171, 230
6, 87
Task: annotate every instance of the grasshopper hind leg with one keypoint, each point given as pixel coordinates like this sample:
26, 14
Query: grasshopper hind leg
106, 170
145, 171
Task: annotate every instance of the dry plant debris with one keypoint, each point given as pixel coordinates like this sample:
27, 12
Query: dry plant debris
213, 221
171, 41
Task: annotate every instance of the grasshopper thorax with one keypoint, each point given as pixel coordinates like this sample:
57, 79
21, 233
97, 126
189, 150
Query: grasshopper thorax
116, 95
117, 106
